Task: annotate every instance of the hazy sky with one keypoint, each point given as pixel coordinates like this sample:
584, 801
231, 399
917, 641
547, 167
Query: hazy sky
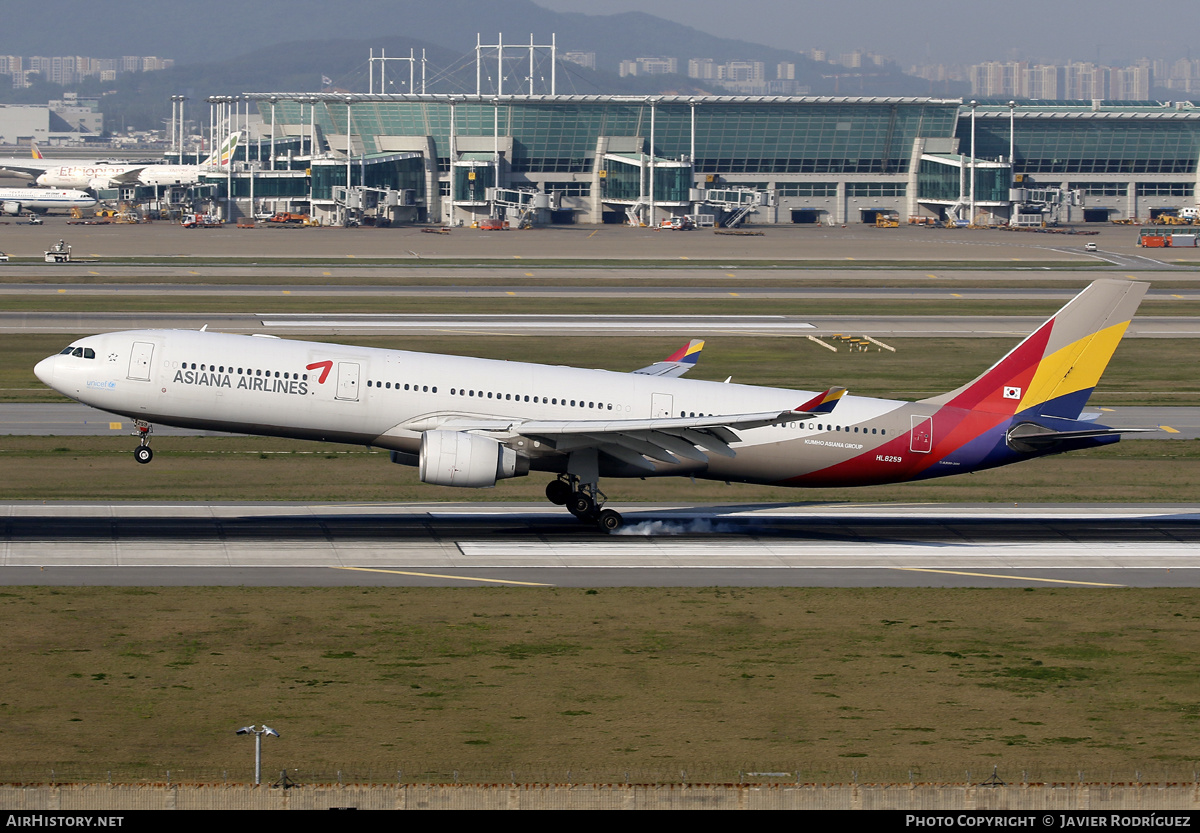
937, 31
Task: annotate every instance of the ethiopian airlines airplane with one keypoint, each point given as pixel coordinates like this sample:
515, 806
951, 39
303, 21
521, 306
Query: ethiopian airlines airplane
472, 422
79, 173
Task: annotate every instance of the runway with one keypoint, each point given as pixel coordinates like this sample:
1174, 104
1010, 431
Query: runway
709, 285
778, 326
532, 545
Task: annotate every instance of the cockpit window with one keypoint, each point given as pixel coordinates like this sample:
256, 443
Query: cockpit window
66, 351
79, 352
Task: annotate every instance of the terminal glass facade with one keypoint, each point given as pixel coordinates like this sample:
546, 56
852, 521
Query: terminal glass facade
1100, 145
732, 137
801, 148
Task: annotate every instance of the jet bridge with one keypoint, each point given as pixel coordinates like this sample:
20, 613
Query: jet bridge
520, 205
735, 204
1036, 207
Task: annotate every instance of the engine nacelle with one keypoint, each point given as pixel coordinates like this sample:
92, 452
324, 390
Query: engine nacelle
10, 207
455, 458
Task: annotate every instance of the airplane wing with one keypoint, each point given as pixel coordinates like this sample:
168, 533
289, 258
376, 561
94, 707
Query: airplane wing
637, 442
678, 363
11, 166
129, 177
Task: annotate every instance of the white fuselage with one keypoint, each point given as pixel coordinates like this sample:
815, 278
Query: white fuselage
16, 200
387, 398
84, 175
173, 174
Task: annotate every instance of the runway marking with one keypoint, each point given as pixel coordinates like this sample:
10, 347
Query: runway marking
114, 426
931, 276
1168, 429
97, 273
61, 291
287, 292
437, 575
734, 294
1014, 578
513, 293
593, 234
955, 295
476, 333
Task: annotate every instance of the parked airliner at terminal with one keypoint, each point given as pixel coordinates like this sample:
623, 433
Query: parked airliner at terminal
472, 422
41, 200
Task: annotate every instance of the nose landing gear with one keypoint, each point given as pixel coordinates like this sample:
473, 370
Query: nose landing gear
142, 453
584, 501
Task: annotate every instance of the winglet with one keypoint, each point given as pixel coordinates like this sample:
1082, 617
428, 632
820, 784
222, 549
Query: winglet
688, 354
823, 403
678, 363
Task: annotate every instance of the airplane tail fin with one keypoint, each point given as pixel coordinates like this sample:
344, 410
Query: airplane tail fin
1055, 369
33, 150
222, 156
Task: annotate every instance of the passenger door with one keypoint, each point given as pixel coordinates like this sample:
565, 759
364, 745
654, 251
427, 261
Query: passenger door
140, 358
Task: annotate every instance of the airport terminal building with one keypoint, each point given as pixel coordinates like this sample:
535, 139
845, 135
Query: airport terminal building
755, 159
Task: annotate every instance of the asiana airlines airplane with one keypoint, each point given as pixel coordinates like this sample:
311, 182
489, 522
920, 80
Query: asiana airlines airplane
472, 422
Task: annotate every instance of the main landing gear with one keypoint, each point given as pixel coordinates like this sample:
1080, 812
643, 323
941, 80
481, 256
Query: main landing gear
584, 501
142, 453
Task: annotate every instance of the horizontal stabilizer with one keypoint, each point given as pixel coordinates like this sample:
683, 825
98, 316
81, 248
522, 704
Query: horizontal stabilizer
1029, 437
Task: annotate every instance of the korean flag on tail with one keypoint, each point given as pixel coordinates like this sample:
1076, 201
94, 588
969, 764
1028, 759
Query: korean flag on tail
1011, 392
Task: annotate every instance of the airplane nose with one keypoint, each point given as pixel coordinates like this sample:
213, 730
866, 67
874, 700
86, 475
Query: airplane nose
44, 370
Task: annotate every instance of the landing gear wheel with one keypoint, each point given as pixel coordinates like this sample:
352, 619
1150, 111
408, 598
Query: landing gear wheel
143, 454
558, 492
582, 506
610, 520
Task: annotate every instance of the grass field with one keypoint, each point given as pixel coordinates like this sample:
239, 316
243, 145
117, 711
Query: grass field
644, 683
244, 468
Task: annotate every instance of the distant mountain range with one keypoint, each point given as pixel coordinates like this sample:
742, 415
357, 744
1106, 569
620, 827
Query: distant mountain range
234, 46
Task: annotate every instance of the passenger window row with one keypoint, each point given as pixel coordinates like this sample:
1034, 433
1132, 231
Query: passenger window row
496, 396
413, 388
248, 371
848, 429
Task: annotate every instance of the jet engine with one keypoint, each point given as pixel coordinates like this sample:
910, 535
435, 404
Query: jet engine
455, 458
10, 207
